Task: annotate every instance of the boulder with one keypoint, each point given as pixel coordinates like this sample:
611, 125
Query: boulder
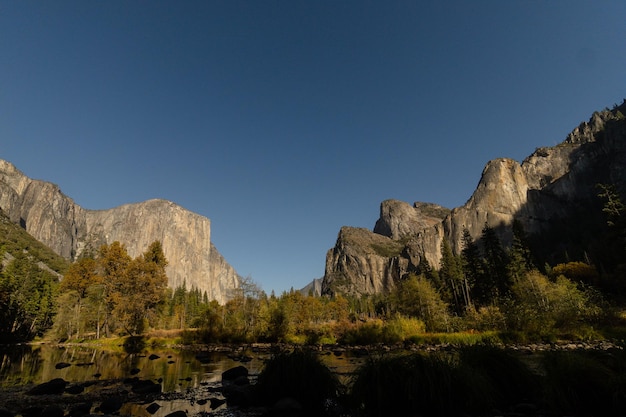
153, 408
233, 373
62, 365
53, 387
145, 387
111, 404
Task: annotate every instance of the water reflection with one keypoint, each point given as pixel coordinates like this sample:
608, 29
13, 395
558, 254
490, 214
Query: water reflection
188, 379
175, 370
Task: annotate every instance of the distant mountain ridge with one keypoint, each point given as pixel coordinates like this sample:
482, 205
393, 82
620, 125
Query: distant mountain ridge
68, 229
553, 194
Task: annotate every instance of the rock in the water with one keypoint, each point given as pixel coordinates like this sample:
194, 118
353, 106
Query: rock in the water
153, 357
111, 404
153, 408
146, 387
62, 365
177, 414
203, 357
234, 373
216, 402
54, 386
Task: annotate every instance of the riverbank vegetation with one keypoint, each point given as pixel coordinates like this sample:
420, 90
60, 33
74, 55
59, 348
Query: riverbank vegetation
475, 380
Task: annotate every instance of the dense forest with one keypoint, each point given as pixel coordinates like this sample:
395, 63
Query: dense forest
488, 291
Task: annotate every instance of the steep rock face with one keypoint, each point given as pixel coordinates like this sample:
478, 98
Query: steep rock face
362, 262
546, 192
68, 229
313, 288
398, 219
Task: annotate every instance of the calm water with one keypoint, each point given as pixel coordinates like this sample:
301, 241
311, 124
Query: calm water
180, 371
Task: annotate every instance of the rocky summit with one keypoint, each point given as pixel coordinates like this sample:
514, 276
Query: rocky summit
68, 229
552, 194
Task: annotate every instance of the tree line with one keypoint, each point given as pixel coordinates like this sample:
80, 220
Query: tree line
487, 287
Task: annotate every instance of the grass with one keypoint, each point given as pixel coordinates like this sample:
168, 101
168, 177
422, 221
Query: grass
389, 250
457, 338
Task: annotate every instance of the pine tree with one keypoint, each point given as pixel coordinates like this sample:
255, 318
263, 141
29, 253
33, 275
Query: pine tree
451, 277
495, 282
520, 258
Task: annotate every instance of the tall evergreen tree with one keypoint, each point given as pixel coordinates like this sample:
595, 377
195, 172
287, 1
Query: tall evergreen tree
472, 264
495, 281
520, 259
451, 276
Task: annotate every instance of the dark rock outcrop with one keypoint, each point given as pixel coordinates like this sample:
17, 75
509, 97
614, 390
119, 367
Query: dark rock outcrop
552, 194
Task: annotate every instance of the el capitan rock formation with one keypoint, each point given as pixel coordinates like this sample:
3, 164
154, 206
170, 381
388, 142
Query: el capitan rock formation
553, 194
55, 220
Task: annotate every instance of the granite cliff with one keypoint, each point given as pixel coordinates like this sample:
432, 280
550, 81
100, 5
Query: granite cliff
552, 194
68, 229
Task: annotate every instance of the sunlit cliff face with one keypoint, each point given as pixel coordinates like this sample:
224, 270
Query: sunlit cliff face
68, 229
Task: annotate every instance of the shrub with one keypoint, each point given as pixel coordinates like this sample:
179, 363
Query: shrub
576, 383
417, 384
300, 375
400, 328
577, 272
485, 318
512, 380
539, 304
367, 333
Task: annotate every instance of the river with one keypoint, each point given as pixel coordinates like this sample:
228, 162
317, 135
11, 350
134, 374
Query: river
187, 376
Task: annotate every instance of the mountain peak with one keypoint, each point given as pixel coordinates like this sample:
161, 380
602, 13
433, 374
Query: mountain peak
55, 220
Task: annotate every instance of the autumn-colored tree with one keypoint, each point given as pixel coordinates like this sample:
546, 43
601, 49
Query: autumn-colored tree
113, 261
80, 277
540, 305
140, 289
418, 298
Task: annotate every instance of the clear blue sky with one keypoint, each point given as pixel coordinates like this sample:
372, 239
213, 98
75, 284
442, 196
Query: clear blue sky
282, 121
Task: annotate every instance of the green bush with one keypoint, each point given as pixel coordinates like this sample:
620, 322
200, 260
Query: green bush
400, 328
540, 306
368, 333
